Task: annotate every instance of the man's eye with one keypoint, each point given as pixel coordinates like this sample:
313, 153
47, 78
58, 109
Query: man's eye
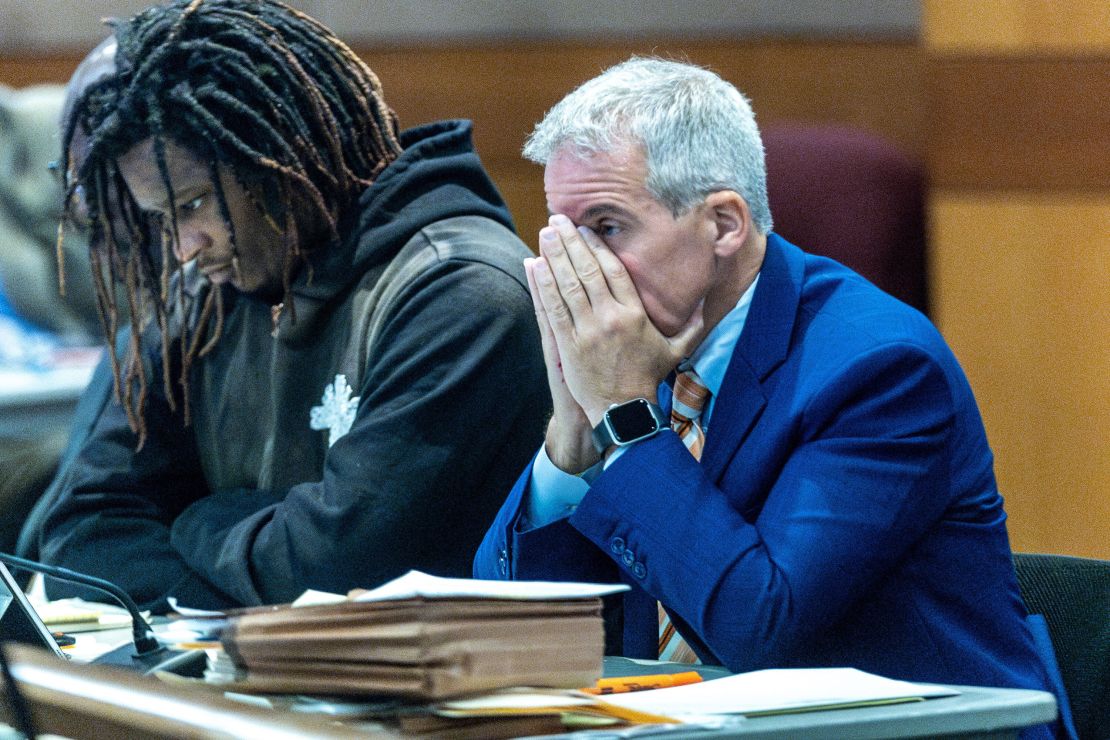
192, 205
607, 229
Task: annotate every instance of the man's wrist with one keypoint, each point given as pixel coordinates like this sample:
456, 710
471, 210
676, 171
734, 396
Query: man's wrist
553, 493
570, 453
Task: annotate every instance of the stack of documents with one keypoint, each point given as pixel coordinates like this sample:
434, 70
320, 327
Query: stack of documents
715, 704
779, 691
425, 638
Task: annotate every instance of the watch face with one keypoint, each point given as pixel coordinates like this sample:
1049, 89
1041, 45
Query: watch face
632, 420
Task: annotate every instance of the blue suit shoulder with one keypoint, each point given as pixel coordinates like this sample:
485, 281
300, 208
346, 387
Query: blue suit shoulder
842, 316
840, 303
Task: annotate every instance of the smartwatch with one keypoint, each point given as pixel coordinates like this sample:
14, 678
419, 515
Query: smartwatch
628, 422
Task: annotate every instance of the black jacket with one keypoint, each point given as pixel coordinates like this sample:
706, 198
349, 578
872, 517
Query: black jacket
424, 313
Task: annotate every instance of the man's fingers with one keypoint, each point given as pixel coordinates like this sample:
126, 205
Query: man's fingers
565, 277
617, 279
551, 298
533, 289
547, 338
582, 258
556, 381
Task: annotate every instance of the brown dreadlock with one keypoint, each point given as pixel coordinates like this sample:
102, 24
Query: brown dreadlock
252, 85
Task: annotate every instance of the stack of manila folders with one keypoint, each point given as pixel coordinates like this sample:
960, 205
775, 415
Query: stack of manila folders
490, 659
422, 637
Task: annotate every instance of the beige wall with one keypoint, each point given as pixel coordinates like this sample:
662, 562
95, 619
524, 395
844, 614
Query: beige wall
1019, 156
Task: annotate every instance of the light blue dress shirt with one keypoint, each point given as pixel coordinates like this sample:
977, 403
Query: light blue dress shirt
553, 493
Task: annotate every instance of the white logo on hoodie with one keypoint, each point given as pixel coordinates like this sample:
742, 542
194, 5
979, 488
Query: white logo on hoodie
336, 411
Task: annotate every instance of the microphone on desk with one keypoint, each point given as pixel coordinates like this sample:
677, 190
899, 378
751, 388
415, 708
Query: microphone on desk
144, 653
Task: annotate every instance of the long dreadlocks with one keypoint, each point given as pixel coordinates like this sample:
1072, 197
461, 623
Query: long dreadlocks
251, 85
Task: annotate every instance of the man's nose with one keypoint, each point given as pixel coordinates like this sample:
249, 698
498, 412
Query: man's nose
190, 243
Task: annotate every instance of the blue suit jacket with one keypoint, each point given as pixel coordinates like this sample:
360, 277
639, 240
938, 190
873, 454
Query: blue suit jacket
844, 513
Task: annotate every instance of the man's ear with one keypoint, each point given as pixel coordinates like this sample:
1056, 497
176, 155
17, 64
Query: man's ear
731, 219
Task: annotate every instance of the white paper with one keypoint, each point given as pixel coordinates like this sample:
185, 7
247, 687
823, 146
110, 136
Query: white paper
416, 584
317, 598
191, 612
775, 689
524, 699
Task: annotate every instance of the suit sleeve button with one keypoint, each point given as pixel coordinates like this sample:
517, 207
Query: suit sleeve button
616, 545
639, 570
628, 558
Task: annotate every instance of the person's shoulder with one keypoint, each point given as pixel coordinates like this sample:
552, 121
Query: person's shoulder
831, 303
842, 306
479, 250
845, 325
476, 239
468, 263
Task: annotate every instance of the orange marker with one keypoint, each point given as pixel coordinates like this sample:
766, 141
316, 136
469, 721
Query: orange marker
64, 641
199, 645
643, 683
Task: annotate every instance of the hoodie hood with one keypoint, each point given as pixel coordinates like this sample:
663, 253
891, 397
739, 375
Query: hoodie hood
437, 176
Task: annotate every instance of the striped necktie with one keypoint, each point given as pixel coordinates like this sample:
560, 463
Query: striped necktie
690, 395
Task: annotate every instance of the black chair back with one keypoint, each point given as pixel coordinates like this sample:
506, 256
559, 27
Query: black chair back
1073, 594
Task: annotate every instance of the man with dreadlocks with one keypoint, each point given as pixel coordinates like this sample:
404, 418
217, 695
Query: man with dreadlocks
334, 370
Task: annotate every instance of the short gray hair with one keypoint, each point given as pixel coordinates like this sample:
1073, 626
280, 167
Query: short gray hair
697, 131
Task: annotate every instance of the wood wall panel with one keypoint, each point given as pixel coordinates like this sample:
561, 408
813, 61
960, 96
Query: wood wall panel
1019, 160
35, 69
507, 88
1022, 292
1021, 26
1027, 123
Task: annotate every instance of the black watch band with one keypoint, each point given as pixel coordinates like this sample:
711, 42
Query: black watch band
628, 422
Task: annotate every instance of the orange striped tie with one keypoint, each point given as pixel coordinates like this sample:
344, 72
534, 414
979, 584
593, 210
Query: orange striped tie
690, 395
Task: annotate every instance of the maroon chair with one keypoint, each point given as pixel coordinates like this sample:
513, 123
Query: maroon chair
853, 196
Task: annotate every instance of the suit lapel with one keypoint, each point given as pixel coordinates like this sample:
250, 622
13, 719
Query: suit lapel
762, 347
